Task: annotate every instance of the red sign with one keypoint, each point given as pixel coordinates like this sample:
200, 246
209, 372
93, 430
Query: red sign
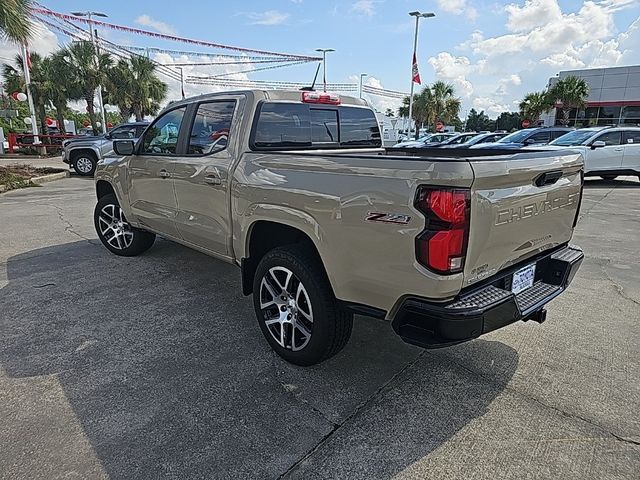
439, 126
526, 123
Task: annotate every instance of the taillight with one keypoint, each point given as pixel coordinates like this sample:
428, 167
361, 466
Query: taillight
442, 245
321, 97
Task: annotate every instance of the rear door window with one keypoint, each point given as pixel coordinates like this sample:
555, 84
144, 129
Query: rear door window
631, 137
210, 130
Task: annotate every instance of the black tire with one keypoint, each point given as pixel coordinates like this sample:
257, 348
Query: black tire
84, 163
331, 326
132, 241
608, 177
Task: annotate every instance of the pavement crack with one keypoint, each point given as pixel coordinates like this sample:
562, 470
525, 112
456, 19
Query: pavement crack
619, 288
582, 215
626, 440
356, 411
68, 225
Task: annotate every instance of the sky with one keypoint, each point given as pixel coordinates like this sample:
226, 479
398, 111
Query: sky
492, 52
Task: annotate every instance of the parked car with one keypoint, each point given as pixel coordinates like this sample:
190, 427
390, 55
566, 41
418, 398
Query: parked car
457, 139
527, 137
477, 140
426, 141
607, 151
323, 223
83, 153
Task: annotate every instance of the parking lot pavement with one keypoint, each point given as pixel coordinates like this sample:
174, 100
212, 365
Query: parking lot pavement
154, 366
52, 162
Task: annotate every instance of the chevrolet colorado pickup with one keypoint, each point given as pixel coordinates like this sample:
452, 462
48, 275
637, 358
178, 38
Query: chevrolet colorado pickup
295, 189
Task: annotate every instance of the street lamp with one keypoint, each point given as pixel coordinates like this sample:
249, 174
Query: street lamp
89, 14
418, 16
324, 64
362, 75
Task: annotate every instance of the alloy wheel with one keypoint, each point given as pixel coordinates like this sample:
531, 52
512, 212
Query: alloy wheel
114, 227
84, 164
286, 308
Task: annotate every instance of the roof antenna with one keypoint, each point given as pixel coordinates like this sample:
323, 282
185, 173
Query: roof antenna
310, 89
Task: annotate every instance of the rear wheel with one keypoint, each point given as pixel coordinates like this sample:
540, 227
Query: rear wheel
84, 163
116, 233
296, 309
608, 177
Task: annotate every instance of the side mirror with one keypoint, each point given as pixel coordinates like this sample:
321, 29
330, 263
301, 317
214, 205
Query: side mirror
598, 144
123, 147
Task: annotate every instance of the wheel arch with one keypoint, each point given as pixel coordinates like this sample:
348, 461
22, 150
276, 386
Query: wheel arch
265, 235
104, 188
74, 152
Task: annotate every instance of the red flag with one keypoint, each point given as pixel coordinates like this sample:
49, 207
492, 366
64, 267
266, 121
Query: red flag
416, 74
28, 58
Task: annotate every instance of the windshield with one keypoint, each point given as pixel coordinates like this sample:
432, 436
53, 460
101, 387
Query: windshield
576, 137
515, 137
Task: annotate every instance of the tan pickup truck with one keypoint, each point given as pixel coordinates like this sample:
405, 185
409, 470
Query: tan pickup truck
295, 189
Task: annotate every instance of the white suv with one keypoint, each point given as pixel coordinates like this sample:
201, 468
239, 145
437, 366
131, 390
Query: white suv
608, 151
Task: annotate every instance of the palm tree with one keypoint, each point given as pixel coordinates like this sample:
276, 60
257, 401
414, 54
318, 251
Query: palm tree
15, 25
534, 104
444, 105
86, 71
570, 92
55, 87
434, 103
135, 89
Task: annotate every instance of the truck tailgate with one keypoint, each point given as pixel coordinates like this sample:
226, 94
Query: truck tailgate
520, 206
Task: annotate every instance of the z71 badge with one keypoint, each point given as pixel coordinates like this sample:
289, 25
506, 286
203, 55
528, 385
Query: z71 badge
395, 218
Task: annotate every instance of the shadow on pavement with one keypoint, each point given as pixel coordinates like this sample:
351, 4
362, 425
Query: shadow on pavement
591, 182
167, 373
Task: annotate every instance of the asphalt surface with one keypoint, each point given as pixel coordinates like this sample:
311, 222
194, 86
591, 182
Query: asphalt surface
154, 367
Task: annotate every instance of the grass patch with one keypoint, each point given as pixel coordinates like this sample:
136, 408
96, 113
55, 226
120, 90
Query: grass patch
19, 176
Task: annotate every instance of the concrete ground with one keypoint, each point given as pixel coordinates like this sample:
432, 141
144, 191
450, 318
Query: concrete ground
154, 366
54, 161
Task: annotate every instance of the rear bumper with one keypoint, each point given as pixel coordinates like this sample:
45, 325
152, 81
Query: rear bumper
490, 306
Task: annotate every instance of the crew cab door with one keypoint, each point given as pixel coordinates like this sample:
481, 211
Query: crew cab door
201, 176
605, 158
151, 193
631, 158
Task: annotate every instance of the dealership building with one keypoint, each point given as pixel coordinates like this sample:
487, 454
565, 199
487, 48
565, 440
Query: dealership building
614, 97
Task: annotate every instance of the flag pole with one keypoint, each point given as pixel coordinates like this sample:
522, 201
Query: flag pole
27, 80
413, 62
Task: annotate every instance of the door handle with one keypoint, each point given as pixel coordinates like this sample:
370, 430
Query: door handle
618, 149
548, 178
213, 180
164, 174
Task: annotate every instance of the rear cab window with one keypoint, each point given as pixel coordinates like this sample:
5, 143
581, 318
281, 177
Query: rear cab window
287, 125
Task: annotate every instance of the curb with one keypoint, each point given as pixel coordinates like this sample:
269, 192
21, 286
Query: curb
48, 178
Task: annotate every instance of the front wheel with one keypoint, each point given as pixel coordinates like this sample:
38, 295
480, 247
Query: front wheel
84, 163
296, 309
116, 233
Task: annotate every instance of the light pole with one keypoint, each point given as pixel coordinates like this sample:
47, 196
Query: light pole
362, 75
181, 82
324, 64
88, 14
418, 16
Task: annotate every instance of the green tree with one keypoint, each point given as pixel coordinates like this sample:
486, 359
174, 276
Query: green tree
509, 121
15, 25
15, 82
389, 112
86, 70
55, 86
533, 105
479, 121
570, 92
434, 103
134, 88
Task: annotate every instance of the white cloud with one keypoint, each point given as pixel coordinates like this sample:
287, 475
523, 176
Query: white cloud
43, 42
157, 25
270, 17
458, 7
540, 40
364, 7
